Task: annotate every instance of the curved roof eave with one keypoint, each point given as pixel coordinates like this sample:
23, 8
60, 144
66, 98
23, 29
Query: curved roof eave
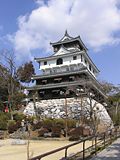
54, 56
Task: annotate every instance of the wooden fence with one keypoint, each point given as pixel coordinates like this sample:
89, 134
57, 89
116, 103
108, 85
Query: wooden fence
100, 141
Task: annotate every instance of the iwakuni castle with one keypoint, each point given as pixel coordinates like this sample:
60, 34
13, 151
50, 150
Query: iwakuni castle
69, 77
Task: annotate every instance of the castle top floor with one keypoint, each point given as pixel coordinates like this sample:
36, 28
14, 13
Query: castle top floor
70, 54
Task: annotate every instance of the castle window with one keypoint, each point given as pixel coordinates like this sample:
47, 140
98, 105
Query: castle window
67, 69
57, 80
55, 49
71, 78
39, 64
74, 57
89, 67
50, 71
71, 68
81, 58
44, 81
45, 62
85, 61
59, 61
77, 46
54, 70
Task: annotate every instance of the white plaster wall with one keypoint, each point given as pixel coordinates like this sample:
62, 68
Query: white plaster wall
67, 61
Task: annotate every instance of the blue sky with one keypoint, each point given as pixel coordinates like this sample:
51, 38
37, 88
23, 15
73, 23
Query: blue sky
10, 11
27, 26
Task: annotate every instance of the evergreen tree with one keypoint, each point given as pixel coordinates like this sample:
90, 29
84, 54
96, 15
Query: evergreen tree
25, 72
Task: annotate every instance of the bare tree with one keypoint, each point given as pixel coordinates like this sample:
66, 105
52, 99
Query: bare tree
8, 62
91, 109
8, 73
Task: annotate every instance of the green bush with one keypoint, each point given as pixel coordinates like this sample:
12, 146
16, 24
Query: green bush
1, 106
29, 119
11, 123
17, 98
3, 125
18, 116
71, 123
59, 123
38, 125
56, 131
48, 123
42, 131
11, 126
4, 117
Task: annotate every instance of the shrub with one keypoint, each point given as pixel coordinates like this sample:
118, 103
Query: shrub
13, 126
4, 117
18, 124
76, 131
3, 125
60, 123
18, 116
38, 125
11, 122
86, 132
71, 123
42, 131
56, 131
48, 123
1, 106
74, 138
29, 119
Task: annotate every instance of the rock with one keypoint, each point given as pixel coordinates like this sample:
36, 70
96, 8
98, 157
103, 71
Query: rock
18, 142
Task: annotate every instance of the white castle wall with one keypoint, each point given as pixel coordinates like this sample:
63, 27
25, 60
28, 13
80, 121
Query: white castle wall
67, 61
56, 109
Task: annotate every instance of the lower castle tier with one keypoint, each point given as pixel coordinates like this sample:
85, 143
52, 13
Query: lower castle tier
51, 86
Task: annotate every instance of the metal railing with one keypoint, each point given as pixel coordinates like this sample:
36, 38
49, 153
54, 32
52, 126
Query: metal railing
99, 142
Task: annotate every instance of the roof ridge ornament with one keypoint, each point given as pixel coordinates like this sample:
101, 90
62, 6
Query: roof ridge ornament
66, 33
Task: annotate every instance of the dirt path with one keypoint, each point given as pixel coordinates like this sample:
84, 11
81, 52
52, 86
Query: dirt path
18, 152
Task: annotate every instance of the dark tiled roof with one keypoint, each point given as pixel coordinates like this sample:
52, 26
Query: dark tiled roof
69, 39
93, 82
54, 56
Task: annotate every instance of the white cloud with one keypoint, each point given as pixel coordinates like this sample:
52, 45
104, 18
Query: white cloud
40, 2
95, 20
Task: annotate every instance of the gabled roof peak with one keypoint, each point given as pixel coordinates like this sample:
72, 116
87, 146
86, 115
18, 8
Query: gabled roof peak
68, 39
62, 50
